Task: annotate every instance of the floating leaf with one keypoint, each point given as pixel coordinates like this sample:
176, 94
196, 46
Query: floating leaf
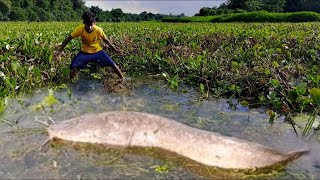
272, 116
170, 107
244, 103
48, 101
161, 169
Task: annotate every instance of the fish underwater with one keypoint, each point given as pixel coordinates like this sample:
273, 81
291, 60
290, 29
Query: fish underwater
137, 129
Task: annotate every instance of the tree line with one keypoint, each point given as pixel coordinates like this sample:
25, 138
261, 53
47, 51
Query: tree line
236, 6
66, 10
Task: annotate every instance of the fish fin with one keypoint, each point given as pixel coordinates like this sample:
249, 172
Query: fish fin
45, 142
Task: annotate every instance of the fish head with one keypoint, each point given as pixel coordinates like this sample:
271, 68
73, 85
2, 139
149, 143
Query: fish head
78, 130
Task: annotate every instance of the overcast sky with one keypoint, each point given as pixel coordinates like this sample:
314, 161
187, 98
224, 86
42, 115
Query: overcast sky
189, 8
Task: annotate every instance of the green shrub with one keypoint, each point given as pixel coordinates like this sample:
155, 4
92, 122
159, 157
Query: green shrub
257, 16
303, 17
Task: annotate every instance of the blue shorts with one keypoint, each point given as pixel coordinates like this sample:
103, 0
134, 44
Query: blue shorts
82, 59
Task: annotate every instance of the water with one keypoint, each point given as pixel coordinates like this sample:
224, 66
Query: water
21, 158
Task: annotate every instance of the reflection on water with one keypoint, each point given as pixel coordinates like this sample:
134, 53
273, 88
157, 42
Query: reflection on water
19, 145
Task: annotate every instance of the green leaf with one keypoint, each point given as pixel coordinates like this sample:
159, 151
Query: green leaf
304, 100
50, 58
4, 92
162, 169
36, 72
292, 96
275, 64
267, 72
232, 87
2, 106
50, 99
272, 116
275, 83
315, 95
15, 65
201, 88
47, 101
234, 65
301, 88
244, 103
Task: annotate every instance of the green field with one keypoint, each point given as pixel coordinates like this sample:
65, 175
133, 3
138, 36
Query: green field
269, 64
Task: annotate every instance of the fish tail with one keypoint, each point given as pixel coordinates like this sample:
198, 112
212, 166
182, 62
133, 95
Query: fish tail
295, 154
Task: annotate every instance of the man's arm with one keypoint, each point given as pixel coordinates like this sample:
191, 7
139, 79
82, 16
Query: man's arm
107, 41
63, 45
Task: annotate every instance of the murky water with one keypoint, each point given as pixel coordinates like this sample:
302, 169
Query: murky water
19, 144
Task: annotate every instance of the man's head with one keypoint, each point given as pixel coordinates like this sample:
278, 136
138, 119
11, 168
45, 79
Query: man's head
89, 19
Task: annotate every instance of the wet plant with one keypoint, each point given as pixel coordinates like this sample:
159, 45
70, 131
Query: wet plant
262, 64
315, 96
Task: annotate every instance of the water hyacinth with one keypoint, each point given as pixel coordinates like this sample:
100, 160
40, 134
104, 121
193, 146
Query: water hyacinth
260, 63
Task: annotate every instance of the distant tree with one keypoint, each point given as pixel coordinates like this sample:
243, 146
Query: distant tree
144, 16
236, 4
204, 11
181, 15
117, 15
43, 4
98, 12
5, 7
18, 14
293, 5
274, 5
311, 5
252, 5
64, 10
32, 16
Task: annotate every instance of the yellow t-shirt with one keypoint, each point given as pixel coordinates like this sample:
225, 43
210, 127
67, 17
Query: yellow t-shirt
90, 41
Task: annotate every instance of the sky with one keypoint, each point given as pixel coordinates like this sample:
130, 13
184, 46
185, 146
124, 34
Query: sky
189, 8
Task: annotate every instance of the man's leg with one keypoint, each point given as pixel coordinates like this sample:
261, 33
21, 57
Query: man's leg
73, 73
118, 72
105, 60
79, 62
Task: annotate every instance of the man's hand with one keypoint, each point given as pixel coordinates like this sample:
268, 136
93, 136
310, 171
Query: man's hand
105, 47
122, 80
119, 52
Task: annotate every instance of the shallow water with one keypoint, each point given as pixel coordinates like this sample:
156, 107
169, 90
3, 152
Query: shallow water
19, 144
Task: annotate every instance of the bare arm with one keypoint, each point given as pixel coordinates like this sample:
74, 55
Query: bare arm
107, 41
63, 45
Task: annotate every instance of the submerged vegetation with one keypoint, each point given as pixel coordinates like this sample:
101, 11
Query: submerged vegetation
269, 64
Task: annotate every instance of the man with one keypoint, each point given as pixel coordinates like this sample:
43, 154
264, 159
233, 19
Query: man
91, 50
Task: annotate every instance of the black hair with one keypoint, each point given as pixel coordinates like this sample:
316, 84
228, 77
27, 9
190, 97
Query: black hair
88, 17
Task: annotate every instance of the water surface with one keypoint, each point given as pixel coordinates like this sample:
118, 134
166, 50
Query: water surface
19, 144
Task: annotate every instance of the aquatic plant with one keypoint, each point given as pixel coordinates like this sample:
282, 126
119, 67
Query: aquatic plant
262, 64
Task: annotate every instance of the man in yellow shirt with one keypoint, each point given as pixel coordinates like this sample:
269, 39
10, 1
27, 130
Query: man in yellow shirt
91, 50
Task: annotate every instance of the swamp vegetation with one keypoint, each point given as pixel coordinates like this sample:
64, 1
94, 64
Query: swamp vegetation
275, 65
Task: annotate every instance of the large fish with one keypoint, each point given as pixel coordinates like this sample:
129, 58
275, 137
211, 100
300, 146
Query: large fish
136, 129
